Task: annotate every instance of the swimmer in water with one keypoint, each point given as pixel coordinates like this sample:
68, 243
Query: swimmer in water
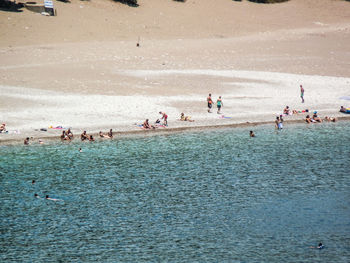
320, 246
33, 181
251, 134
36, 196
80, 150
52, 199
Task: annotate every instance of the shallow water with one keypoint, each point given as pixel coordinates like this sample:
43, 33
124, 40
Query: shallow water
216, 196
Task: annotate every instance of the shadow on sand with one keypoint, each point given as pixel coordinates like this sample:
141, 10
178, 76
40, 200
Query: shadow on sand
132, 3
9, 6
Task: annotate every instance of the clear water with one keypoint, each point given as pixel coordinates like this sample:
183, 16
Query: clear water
216, 196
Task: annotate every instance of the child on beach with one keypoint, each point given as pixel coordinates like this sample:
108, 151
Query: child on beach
219, 104
210, 103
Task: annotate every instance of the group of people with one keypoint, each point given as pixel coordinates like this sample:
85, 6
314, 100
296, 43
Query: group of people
67, 135
315, 118
219, 103
108, 135
279, 122
85, 137
164, 117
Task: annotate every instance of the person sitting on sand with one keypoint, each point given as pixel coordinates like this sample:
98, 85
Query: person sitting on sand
64, 136
315, 117
26, 141
185, 118
91, 138
110, 134
286, 110
342, 109
103, 135
251, 134
84, 136
332, 119
3, 127
308, 119
146, 125
69, 134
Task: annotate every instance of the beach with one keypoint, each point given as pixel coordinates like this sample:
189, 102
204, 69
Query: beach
55, 73
204, 190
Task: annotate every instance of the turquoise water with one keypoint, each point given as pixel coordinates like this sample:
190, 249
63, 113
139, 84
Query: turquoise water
216, 196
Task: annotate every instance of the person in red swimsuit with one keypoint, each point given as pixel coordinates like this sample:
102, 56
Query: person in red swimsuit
164, 117
210, 103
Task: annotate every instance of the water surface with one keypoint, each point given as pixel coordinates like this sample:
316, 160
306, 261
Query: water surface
216, 196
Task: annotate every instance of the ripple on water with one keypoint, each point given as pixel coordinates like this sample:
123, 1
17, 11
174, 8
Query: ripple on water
210, 196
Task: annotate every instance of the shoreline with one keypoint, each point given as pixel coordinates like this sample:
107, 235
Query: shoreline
54, 138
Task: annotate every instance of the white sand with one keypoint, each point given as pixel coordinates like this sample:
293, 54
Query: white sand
54, 72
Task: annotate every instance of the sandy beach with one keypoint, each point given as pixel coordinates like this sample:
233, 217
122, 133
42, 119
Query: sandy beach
82, 68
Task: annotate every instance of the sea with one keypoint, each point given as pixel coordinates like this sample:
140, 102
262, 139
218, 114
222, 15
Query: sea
195, 196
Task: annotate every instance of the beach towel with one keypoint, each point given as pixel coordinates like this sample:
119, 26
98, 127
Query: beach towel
224, 117
57, 128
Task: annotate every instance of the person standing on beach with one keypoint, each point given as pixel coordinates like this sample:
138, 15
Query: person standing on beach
302, 93
164, 117
219, 104
210, 103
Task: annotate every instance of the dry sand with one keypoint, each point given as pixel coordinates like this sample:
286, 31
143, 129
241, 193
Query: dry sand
82, 69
